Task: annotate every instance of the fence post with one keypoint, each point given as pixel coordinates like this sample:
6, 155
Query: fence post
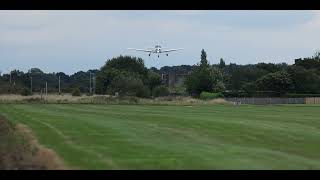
41, 94
269, 100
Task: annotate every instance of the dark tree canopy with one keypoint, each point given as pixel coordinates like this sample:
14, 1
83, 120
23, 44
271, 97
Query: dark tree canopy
305, 81
203, 77
222, 64
127, 76
303, 77
279, 82
130, 66
154, 79
204, 61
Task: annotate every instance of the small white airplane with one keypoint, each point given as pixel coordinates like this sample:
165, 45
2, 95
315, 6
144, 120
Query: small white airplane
157, 50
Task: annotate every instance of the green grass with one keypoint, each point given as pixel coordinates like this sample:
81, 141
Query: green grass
176, 137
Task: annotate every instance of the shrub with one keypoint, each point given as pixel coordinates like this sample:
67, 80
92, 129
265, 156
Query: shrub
154, 80
143, 92
178, 90
207, 95
219, 87
33, 100
160, 91
76, 92
128, 85
133, 100
25, 92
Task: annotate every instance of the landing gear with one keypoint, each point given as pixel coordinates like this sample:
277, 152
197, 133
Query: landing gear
158, 56
149, 54
167, 54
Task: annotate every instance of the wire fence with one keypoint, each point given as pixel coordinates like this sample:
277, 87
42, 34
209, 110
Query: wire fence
262, 101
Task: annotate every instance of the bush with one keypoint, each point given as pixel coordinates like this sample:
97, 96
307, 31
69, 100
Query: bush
133, 100
76, 92
179, 90
160, 91
25, 92
143, 92
219, 87
207, 95
128, 85
33, 100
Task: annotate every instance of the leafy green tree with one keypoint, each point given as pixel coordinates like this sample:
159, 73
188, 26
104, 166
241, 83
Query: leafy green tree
305, 81
279, 82
154, 79
127, 85
76, 92
316, 55
271, 68
222, 64
25, 92
249, 87
117, 66
309, 63
236, 76
204, 61
219, 87
160, 91
202, 78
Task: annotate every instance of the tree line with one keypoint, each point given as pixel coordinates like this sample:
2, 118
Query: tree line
17, 81
128, 76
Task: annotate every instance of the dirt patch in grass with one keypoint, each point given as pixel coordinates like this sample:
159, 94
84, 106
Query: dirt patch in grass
19, 150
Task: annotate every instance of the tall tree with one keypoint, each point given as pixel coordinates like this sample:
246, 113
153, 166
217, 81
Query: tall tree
204, 61
316, 55
222, 64
202, 78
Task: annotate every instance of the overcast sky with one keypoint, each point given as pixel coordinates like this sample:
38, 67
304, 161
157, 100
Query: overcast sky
70, 41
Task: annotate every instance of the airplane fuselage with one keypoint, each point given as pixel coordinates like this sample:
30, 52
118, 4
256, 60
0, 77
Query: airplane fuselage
156, 50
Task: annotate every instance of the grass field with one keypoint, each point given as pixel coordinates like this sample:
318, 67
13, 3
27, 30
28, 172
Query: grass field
175, 137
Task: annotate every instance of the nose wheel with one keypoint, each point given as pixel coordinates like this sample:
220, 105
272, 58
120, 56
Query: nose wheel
167, 55
149, 54
158, 56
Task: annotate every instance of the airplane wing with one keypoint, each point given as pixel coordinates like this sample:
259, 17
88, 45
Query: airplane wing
145, 50
169, 50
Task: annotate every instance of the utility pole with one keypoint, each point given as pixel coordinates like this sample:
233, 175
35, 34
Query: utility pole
90, 84
46, 89
59, 86
31, 84
10, 77
94, 84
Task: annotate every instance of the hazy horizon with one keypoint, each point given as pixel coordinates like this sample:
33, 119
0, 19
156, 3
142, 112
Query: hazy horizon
72, 41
